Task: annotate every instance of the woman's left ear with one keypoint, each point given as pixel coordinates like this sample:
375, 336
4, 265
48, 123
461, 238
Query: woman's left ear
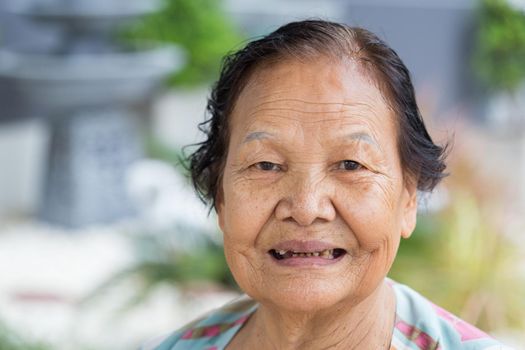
409, 210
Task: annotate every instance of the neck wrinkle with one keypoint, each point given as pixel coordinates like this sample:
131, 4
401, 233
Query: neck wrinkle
368, 325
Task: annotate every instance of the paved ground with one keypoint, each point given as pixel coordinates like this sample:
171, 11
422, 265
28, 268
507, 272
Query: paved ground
47, 272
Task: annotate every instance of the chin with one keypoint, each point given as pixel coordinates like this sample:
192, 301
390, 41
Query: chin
298, 297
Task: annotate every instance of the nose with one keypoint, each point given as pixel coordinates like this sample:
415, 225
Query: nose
306, 199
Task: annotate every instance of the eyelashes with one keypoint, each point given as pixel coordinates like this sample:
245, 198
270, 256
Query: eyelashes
267, 166
346, 165
350, 165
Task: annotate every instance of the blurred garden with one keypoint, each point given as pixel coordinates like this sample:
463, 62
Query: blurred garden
110, 279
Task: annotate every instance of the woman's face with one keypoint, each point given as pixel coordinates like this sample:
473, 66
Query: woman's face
313, 201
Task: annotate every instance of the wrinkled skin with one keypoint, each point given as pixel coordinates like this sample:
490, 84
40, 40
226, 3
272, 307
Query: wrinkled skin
306, 119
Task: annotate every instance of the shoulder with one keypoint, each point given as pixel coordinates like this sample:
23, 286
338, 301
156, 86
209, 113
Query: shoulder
422, 324
214, 330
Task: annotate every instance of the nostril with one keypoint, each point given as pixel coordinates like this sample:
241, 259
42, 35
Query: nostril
304, 210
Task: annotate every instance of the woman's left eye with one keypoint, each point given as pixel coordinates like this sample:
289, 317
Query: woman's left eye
350, 165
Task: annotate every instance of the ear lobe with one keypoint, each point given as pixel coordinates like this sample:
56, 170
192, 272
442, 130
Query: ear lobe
219, 209
220, 219
409, 212
220, 216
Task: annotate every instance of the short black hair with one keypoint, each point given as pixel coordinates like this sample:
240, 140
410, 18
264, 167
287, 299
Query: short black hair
421, 158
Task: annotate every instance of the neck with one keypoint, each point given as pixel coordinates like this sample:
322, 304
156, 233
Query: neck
367, 325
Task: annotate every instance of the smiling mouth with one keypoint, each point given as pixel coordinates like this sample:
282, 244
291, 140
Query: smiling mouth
328, 254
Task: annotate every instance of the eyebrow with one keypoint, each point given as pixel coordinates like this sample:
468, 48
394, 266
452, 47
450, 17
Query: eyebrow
258, 135
359, 136
362, 136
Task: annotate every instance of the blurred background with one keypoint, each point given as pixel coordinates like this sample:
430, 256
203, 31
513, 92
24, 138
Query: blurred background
103, 243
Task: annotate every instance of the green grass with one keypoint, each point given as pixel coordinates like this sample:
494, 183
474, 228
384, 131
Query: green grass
9, 340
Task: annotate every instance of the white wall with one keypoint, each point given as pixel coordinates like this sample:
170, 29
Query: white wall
23, 149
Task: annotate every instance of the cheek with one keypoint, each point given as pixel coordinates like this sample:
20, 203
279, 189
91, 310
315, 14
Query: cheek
246, 210
372, 218
245, 213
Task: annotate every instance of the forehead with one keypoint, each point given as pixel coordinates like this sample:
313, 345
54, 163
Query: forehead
310, 93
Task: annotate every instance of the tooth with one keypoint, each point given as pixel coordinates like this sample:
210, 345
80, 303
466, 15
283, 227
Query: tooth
325, 253
295, 255
282, 252
315, 253
308, 254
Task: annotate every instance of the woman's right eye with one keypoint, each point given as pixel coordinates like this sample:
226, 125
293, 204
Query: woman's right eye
267, 166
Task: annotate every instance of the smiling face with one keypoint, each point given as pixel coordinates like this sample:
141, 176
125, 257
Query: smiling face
313, 200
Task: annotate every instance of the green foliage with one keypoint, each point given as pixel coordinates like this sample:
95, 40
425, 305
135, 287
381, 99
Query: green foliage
461, 261
200, 27
162, 262
176, 157
11, 341
499, 59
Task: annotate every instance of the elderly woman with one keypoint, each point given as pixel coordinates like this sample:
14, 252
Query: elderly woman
314, 155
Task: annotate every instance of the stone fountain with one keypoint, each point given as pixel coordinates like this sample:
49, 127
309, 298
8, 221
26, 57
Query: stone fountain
59, 60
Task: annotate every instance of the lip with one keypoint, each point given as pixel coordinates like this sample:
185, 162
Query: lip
307, 262
304, 246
